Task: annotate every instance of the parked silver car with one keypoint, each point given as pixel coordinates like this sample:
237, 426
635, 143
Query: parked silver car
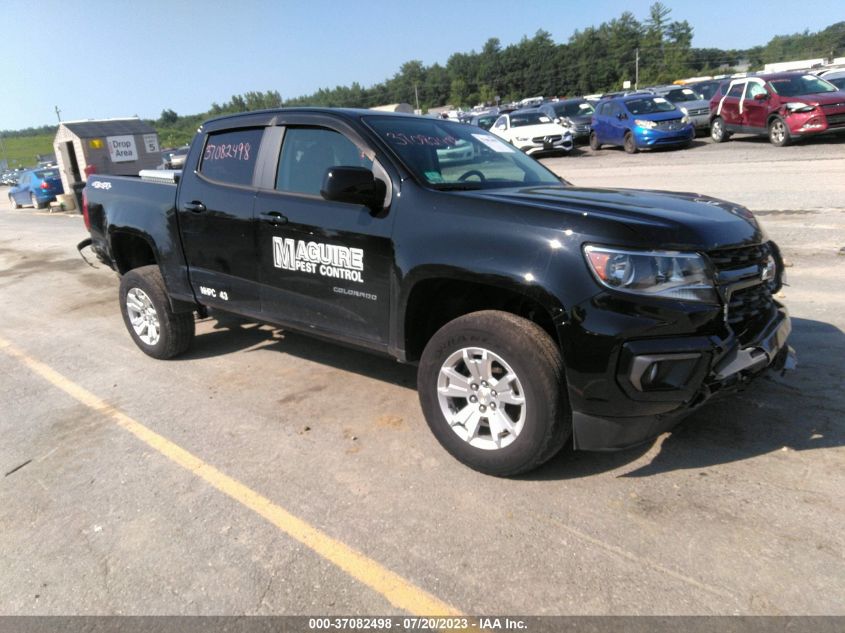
688, 100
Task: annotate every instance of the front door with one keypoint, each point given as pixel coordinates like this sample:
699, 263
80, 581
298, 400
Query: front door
216, 221
755, 108
324, 266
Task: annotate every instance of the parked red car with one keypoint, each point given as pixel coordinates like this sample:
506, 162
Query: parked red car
784, 106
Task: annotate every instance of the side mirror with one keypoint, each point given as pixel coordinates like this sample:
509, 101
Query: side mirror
355, 185
557, 120
762, 96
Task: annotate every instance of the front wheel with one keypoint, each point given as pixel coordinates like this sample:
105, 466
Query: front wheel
630, 144
491, 386
779, 132
152, 324
594, 142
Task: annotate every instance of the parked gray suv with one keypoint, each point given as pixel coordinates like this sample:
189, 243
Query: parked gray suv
696, 106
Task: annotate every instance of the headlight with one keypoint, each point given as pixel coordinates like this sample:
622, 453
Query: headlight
684, 110
666, 274
797, 106
566, 122
645, 124
685, 119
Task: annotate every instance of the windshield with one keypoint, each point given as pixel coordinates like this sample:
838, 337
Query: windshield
648, 105
682, 95
574, 108
448, 155
519, 119
800, 85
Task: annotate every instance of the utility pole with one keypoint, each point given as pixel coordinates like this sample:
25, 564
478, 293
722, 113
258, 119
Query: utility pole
58, 113
416, 96
637, 71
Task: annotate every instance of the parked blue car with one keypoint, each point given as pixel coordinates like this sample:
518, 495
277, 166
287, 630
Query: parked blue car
38, 187
640, 121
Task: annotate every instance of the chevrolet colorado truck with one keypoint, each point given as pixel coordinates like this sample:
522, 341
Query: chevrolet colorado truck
536, 311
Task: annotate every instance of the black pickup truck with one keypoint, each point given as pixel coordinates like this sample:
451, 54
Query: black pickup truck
534, 309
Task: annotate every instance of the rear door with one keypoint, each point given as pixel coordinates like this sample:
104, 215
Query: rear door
216, 220
729, 106
323, 266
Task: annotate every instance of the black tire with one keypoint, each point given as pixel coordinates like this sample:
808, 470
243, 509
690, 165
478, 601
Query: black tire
629, 144
717, 130
176, 329
594, 142
779, 132
13, 202
34, 201
534, 358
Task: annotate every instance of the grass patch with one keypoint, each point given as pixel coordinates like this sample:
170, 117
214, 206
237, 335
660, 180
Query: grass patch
21, 150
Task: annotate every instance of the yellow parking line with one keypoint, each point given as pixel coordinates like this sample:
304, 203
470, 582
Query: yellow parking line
401, 593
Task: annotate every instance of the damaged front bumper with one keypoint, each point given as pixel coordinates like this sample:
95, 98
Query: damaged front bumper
670, 378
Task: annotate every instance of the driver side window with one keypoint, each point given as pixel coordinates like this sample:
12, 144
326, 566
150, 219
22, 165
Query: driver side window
753, 90
308, 152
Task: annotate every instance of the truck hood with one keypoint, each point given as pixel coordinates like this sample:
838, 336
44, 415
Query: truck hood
659, 219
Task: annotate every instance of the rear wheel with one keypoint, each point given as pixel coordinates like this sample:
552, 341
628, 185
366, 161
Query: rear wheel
779, 132
717, 130
14, 203
491, 386
35, 203
152, 324
594, 142
629, 144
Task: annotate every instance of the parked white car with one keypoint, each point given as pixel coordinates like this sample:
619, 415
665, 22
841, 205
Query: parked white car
533, 132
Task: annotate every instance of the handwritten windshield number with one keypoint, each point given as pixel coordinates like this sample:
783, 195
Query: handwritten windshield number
239, 151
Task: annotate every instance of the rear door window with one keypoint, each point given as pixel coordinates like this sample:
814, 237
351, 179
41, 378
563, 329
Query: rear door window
736, 90
230, 156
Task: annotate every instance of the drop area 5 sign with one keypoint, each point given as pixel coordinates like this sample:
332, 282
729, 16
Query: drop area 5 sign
122, 148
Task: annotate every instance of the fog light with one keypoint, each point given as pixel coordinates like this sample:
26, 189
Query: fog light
662, 372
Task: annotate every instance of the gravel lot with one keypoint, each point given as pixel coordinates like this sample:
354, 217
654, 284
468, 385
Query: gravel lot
738, 511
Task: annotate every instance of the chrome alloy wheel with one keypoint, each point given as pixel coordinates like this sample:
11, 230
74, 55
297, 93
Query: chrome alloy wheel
717, 130
778, 132
481, 398
142, 315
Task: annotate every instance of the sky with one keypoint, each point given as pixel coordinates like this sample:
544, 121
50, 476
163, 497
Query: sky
116, 58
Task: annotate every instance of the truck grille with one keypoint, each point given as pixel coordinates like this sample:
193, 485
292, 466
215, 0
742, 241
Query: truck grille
668, 126
551, 139
750, 306
699, 111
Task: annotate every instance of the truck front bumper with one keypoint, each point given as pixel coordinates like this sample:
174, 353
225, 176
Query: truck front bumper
664, 380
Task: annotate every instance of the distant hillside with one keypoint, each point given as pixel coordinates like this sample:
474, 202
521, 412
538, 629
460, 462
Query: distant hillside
21, 150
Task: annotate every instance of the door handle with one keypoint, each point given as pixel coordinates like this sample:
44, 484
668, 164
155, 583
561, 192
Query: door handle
194, 206
274, 217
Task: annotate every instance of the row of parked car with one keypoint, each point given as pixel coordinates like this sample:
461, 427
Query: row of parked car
784, 106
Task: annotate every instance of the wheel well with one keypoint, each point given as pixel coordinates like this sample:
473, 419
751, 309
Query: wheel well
131, 251
435, 302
